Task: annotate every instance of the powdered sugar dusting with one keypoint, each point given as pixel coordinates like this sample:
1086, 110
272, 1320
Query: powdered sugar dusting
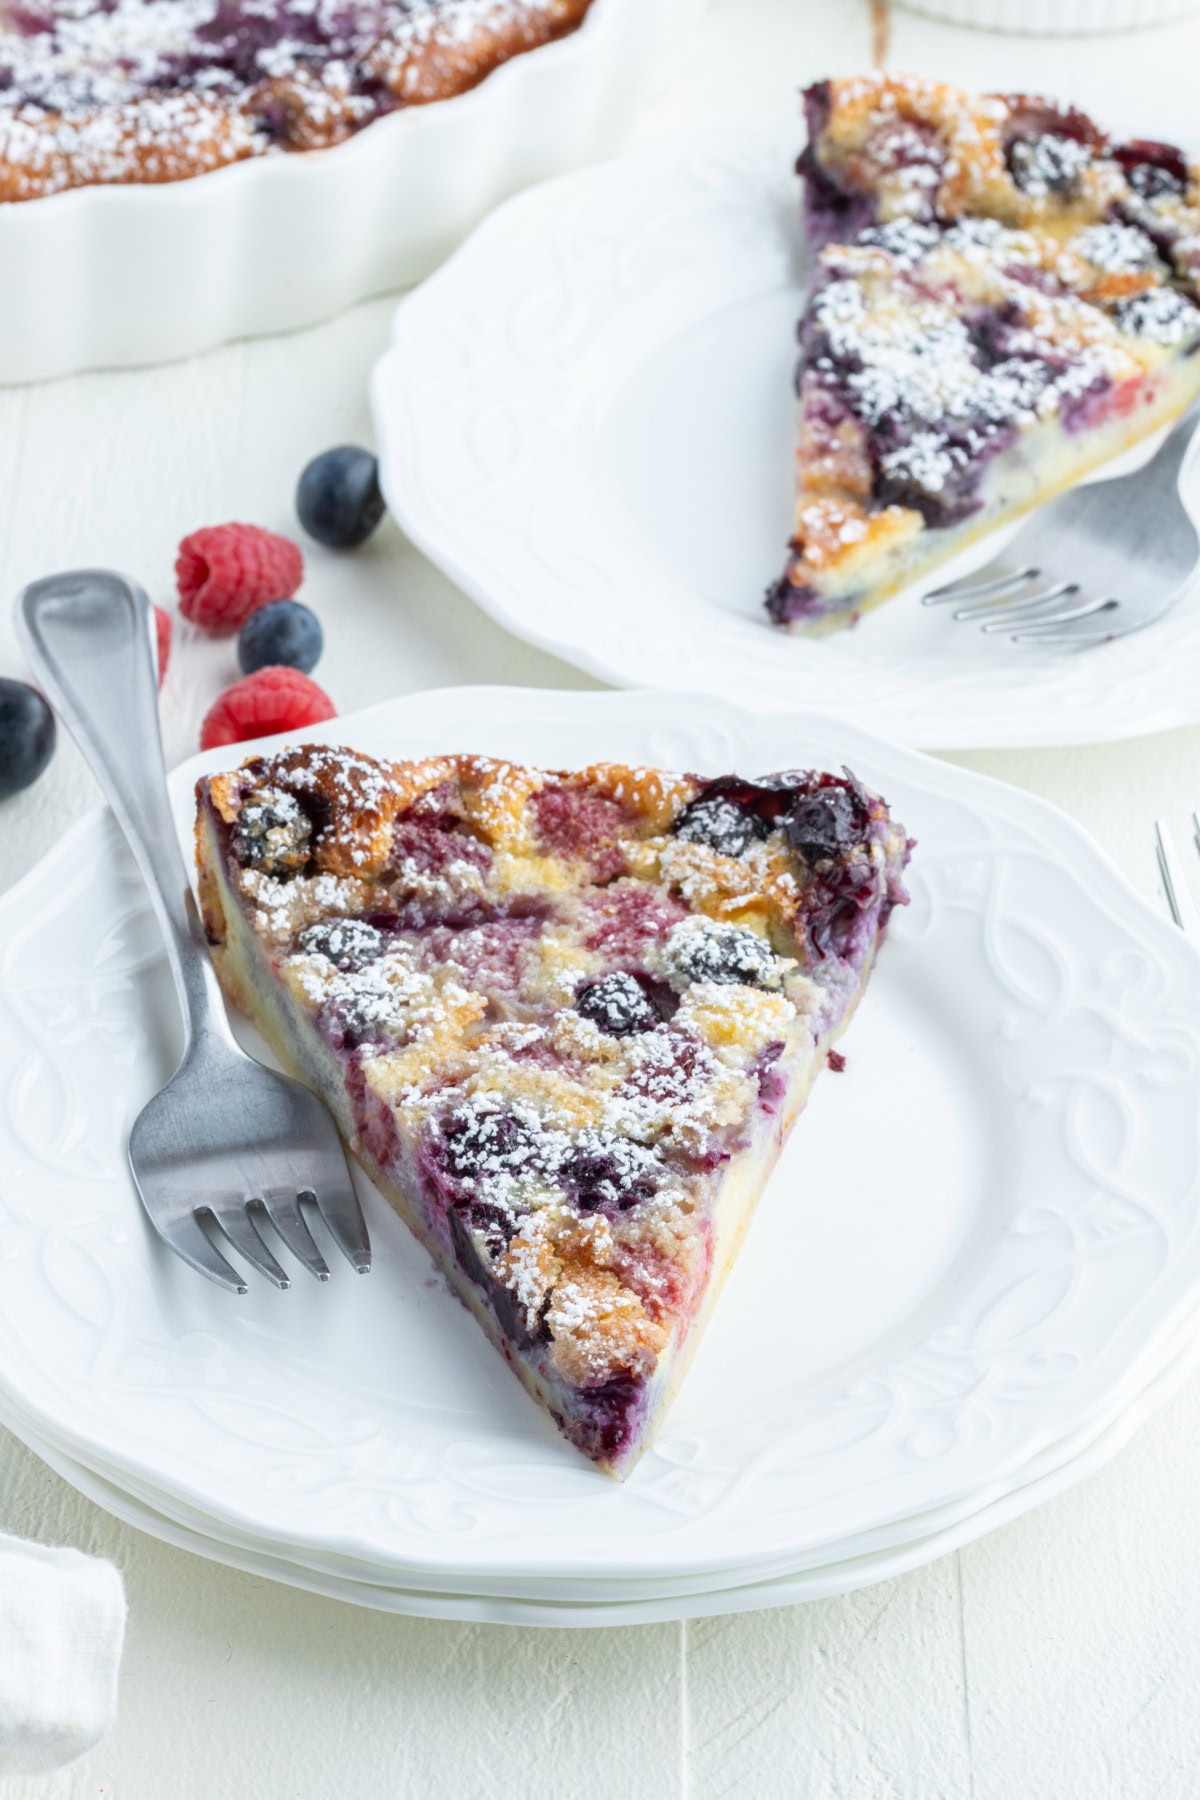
117, 90
1006, 268
566, 1063
1117, 249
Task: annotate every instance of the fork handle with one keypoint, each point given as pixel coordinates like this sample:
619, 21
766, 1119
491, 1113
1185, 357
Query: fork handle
87, 635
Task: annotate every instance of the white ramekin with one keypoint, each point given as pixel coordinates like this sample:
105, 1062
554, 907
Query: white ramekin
1055, 17
118, 276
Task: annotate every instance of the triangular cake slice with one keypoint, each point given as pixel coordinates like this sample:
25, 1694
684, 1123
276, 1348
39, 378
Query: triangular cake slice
1004, 300
564, 1021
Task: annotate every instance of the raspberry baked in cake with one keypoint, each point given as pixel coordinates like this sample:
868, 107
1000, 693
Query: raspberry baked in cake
1004, 298
565, 1021
96, 91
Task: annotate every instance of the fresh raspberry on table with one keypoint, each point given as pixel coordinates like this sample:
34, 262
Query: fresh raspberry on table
225, 571
162, 628
272, 699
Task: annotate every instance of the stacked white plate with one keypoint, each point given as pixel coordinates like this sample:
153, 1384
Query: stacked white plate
603, 458
976, 1269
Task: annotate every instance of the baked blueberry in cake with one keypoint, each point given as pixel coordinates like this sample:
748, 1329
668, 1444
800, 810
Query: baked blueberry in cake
98, 91
565, 1021
1004, 298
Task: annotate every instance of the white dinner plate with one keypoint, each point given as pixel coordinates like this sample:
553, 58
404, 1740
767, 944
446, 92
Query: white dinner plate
835, 1577
1048, 1472
109, 276
921, 1306
1129, 1408
586, 418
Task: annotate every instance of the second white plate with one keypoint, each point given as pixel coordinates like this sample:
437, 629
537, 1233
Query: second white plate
587, 419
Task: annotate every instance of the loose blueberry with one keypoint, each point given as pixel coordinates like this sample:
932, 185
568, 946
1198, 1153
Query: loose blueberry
338, 498
618, 1004
27, 735
283, 633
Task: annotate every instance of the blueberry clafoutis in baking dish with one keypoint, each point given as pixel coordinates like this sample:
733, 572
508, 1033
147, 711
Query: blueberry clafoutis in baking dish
564, 1020
104, 91
1005, 297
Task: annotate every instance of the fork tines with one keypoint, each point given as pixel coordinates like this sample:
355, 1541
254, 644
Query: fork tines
999, 597
201, 1233
242, 1223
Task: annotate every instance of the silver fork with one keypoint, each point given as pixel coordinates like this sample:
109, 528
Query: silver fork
1095, 563
227, 1145
1174, 880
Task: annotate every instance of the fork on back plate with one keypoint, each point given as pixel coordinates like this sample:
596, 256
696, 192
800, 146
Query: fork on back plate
229, 1156
1174, 878
1094, 564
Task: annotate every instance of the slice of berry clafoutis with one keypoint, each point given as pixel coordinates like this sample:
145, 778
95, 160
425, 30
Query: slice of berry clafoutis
564, 1021
1004, 298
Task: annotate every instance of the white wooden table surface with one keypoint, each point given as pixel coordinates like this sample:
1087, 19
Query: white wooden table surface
1058, 1658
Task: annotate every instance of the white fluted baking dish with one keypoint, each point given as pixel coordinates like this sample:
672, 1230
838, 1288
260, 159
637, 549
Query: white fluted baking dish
1055, 17
119, 276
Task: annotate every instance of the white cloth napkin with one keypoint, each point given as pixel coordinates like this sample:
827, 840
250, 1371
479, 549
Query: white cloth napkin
62, 1625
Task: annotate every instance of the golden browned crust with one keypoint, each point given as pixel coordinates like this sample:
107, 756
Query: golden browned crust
926, 148
356, 800
442, 68
170, 135
150, 141
563, 1268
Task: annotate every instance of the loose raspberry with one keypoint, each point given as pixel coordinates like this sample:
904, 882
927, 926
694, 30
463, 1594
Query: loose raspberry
162, 627
270, 700
225, 571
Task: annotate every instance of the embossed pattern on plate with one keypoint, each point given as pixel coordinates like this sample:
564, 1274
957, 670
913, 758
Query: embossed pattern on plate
918, 1310
600, 453
853, 1562
840, 1576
